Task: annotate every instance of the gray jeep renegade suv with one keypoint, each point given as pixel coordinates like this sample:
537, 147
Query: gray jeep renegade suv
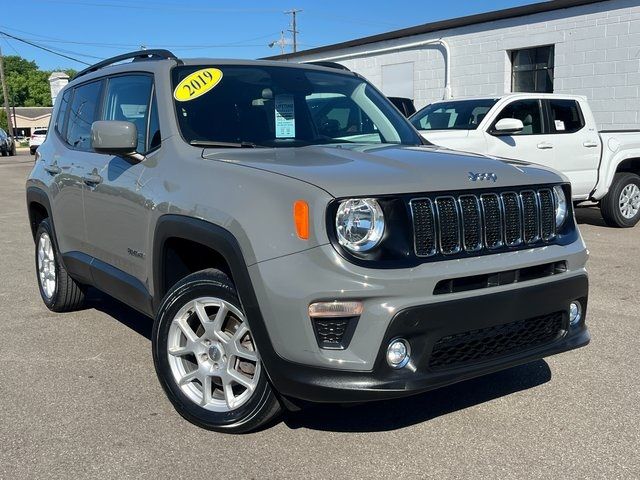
293, 238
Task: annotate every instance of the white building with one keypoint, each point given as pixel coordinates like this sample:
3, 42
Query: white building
584, 47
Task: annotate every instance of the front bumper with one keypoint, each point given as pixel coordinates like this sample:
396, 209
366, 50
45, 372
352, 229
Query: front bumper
423, 326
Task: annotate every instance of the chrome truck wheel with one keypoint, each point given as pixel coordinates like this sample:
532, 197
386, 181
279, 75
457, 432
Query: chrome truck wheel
620, 207
629, 202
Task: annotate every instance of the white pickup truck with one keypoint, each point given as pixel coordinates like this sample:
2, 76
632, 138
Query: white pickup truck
555, 130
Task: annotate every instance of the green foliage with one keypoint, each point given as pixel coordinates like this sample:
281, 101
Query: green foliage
3, 120
28, 85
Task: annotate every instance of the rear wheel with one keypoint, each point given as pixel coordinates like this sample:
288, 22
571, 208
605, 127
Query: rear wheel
621, 206
59, 292
206, 358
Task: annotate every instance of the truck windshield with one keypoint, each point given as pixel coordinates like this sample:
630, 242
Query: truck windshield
271, 106
457, 115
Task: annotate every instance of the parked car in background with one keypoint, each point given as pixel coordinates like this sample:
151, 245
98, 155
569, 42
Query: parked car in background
37, 137
7, 144
405, 105
555, 130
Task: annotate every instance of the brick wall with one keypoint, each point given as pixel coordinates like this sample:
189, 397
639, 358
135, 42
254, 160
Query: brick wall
597, 54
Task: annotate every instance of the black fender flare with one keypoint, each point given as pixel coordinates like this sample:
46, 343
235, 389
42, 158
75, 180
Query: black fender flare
39, 196
224, 242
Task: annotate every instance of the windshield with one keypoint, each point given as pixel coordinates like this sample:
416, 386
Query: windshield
458, 115
247, 105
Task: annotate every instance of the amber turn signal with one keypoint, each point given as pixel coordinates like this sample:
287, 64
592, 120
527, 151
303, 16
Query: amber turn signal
301, 219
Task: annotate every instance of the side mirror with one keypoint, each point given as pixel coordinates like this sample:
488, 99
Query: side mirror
507, 126
115, 137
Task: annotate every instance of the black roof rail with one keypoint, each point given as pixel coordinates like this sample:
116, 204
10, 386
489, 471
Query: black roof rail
157, 54
329, 65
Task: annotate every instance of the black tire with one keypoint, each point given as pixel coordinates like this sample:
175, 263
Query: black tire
610, 205
259, 409
68, 295
32, 151
4, 153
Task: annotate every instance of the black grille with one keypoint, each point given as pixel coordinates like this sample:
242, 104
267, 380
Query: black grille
334, 333
530, 215
547, 214
492, 220
473, 223
489, 343
449, 226
471, 226
424, 227
512, 219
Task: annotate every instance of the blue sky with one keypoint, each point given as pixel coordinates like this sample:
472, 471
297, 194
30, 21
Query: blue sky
90, 30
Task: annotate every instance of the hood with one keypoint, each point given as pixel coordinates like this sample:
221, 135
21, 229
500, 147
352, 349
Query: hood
356, 170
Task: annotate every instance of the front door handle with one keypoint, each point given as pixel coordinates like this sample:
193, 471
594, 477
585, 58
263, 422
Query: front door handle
545, 145
53, 169
590, 144
92, 179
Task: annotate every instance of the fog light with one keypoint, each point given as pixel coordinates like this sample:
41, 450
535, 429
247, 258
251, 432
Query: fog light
398, 353
575, 313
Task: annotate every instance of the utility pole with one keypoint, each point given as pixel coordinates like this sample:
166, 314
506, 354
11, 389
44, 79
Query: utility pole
5, 92
294, 27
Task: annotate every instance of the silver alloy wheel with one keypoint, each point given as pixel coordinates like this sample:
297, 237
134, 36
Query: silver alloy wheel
630, 201
212, 354
46, 266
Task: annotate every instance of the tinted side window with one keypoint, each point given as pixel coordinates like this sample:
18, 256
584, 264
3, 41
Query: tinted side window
566, 116
154, 138
528, 111
127, 99
82, 114
62, 112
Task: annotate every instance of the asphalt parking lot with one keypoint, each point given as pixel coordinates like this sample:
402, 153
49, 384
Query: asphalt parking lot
80, 398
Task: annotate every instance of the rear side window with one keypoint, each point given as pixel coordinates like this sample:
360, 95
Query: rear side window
127, 99
528, 111
566, 116
39, 132
82, 114
60, 118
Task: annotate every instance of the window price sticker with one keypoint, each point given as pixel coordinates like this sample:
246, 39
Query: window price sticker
285, 119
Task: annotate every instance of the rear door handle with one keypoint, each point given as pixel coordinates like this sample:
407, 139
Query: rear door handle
53, 169
590, 144
92, 179
545, 145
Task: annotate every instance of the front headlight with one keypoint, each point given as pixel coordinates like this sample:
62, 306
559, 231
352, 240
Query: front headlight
561, 205
359, 224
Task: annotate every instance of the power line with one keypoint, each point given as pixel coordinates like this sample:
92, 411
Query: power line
238, 43
43, 48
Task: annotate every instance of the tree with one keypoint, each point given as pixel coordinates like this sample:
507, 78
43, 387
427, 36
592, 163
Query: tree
28, 85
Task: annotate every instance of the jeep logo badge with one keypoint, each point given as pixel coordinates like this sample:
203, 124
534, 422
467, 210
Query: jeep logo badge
483, 177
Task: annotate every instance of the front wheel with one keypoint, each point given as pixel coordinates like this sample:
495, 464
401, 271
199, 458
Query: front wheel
206, 358
621, 206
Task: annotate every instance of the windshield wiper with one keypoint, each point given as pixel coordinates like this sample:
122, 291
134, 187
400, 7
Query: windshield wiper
214, 144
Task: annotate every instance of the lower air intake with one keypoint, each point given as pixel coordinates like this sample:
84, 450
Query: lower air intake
493, 342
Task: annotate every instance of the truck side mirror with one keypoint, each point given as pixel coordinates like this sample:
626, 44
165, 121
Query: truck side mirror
115, 137
507, 126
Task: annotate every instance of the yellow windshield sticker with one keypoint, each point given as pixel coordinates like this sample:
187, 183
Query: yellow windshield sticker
197, 84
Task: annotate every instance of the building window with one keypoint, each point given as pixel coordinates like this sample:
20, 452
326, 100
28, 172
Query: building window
532, 70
